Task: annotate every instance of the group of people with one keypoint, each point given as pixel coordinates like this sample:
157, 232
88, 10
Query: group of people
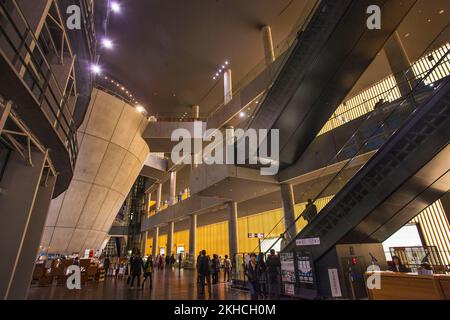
163, 261
115, 267
137, 266
264, 276
208, 271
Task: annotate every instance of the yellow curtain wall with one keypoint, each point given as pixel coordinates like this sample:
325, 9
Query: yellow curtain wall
213, 238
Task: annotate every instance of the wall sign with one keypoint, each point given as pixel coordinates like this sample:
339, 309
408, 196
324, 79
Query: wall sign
334, 283
307, 242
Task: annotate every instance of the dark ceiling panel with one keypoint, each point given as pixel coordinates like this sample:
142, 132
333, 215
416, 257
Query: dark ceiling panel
167, 51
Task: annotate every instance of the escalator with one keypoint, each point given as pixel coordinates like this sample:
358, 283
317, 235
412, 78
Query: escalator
329, 57
408, 172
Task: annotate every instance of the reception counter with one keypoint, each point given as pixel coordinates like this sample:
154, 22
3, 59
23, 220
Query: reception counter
407, 286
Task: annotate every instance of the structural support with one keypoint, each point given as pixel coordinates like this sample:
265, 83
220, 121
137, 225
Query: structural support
155, 250
399, 62
23, 205
173, 188
288, 201
196, 112
227, 86
4, 114
148, 198
193, 236
158, 197
269, 51
170, 230
233, 229
144, 236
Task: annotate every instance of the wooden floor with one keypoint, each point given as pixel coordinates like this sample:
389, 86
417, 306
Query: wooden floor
167, 284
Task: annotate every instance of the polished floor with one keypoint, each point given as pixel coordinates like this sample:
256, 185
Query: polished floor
167, 285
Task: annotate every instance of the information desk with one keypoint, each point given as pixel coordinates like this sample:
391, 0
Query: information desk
407, 286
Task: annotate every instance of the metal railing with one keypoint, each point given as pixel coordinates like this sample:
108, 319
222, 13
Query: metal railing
388, 88
31, 63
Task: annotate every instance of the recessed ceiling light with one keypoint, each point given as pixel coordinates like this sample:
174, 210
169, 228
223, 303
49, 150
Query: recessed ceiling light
96, 69
115, 7
407, 35
227, 63
242, 114
107, 43
441, 11
140, 109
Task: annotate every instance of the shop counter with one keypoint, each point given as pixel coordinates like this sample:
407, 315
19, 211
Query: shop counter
407, 286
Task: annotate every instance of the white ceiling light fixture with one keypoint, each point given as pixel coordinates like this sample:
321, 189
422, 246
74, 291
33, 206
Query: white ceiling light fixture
140, 108
96, 69
107, 43
116, 7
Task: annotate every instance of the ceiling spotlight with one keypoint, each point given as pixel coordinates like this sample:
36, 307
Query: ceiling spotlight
227, 63
217, 74
442, 11
214, 78
96, 69
223, 67
242, 114
140, 109
107, 43
115, 7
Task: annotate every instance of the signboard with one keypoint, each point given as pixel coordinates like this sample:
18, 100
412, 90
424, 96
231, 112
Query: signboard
289, 289
287, 267
305, 269
334, 283
256, 235
307, 242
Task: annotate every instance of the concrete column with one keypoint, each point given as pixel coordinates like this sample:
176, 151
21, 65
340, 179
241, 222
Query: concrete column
144, 236
227, 86
193, 236
30, 249
23, 205
155, 249
173, 188
4, 114
170, 229
399, 62
287, 197
158, 197
269, 51
196, 112
233, 229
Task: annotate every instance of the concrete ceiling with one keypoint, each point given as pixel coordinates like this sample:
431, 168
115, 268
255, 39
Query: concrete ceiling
168, 51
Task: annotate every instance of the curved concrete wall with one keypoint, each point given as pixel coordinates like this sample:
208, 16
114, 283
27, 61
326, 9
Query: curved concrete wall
112, 153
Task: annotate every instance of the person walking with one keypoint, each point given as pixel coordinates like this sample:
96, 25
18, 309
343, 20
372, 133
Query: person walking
204, 269
226, 269
273, 265
252, 273
148, 271
310, 211
136, 269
